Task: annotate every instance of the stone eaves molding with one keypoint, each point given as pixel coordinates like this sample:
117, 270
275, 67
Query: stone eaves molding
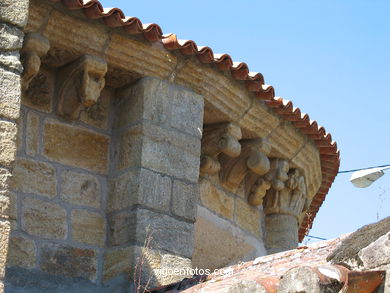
235, 93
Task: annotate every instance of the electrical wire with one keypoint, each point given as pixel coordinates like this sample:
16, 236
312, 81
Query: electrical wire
315, 237
348, 171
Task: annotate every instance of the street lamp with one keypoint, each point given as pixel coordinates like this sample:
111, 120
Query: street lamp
365, 177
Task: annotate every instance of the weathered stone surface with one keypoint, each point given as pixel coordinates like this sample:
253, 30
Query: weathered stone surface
154, 190
258, 121
8, 132
130, 148
5, 178
8, 205
187, 111
68, 261
164, 103
81, 189
76, 146
35, 19
122, 228
162, 150
286, 141
301, 279
227, 100
308, 160
11, 38
347, 251
97, 115
32, 134
11, 60
245, 286
123, 190
117, 261
216, 200
20, 134
281, 232
14, 12
22, 252
377, 253
9, 94
147, 99
5, 228
151, 266
166, 274
70, 32
167, 233
184, 199
34, 177
144, 58
43, 218
140, 186
248, 217
208, 251
88, 227
40, 91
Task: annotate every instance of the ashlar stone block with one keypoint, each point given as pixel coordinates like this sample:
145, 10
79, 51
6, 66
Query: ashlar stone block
185, 197
58, 259
9, 94
169, 234
76, 146
248, 217
8, 205
32, 134
34, 177
140, 186
117, 261
15, 12
22, 252
80, 189
11, 38
163, 103
43, 218
5, 228
88, 227
216, 200
8, 132
11, 61
5, 179
165, 151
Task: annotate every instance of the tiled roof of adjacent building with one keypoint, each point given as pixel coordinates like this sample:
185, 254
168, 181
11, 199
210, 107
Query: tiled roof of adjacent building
254, 82
306, 268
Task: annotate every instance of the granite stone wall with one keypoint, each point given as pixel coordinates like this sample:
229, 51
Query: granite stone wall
89, 194
13, 17
59, 186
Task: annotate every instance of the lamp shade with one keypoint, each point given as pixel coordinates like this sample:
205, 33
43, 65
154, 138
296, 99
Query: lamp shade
366, 177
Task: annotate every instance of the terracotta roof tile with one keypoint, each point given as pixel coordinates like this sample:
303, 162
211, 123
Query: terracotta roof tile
275, 272
254, 82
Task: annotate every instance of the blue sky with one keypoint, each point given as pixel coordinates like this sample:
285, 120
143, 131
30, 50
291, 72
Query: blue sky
331, 58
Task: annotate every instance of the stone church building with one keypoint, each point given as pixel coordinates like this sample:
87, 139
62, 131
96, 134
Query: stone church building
122, 147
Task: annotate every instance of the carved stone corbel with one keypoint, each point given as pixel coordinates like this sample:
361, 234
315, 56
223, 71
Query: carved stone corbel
256, 187
80, 84
217, 139
34, 48
288, 196
253, 158
283, 206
